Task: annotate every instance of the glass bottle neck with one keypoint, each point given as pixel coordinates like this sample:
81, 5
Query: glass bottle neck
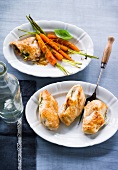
3, 71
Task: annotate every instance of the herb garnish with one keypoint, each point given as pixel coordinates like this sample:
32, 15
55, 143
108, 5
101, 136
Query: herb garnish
64, 34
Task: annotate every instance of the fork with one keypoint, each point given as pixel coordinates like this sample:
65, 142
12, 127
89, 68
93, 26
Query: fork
105, 58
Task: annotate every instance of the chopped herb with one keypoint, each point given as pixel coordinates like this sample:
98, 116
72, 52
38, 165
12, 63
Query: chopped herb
72, 92
25, 54
40, 102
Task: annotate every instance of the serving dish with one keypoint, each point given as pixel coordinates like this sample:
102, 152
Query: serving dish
73, 136
80, 38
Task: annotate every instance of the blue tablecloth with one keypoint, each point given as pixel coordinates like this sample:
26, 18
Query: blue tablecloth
11, 147
99, 18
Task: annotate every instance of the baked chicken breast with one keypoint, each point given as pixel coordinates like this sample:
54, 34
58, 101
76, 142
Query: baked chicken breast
28, 48
73, 105
48, 110
94, 116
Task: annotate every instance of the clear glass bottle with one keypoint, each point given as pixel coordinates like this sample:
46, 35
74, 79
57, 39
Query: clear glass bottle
11, 106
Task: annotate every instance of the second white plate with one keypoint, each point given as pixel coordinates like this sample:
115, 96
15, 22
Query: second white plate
73, 136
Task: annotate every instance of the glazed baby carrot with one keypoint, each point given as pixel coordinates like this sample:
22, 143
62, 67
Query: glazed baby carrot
63, 42
60, 58
67, 43
56, 54
52, 44
49, 55
72, 48
45, 50
68, 46
52, 36
62, 47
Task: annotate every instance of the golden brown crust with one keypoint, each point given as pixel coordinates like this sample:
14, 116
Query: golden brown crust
73, 105
48, 110
94, 116
28, 48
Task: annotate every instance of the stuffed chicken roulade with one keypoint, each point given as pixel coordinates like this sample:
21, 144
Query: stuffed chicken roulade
28, 48
48, 110
94, 116
73, 105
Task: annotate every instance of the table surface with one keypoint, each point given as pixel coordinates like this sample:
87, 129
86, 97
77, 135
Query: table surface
99, 19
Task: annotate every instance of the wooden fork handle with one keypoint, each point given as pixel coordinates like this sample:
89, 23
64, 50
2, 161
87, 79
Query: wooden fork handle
107, 51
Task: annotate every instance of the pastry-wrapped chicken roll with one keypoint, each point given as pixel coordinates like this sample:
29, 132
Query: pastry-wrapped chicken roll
94, 116
48, 110
73, 105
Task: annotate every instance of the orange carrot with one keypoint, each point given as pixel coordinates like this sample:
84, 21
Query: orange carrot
62, 47
57, 55
52, 44
65, 55
60, 57
67, 43
51, 36
45, 50
63, 42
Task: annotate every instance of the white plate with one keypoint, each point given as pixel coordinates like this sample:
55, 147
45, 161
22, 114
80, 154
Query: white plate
80, 39
73, 136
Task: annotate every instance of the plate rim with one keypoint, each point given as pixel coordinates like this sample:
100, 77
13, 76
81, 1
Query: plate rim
72, 146
24, 70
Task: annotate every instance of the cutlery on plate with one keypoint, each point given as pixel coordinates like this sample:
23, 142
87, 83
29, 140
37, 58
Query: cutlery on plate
105, 58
